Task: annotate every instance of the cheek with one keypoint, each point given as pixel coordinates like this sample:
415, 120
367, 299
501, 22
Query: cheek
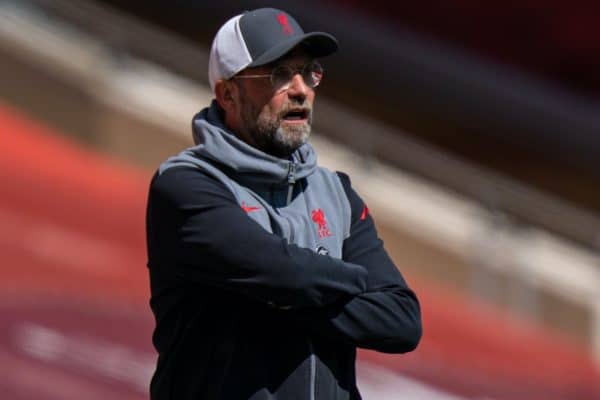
255, 100
275, 105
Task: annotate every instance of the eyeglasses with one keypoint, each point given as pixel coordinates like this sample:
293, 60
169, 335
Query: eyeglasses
281, 76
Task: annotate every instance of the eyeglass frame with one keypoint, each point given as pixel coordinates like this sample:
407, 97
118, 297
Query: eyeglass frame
287, 84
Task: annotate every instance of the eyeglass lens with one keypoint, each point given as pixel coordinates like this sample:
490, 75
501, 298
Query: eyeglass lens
312, 73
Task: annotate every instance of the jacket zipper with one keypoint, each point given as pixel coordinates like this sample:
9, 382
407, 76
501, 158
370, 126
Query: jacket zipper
291, 179
313, 372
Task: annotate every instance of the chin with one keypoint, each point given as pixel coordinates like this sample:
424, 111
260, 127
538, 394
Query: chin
285, 141
293, 137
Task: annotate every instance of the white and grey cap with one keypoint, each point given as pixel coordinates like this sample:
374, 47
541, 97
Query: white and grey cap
259, 37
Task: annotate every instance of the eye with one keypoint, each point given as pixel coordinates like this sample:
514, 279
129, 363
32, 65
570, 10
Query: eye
281, 76
312, 74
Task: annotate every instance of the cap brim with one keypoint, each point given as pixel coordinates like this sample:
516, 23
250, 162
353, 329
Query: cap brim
318, 44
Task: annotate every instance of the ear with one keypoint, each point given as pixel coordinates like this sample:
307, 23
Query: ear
226, 94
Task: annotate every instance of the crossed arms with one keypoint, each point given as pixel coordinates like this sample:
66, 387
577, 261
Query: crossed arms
200, 229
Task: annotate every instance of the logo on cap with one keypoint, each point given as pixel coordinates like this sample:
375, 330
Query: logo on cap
285, 25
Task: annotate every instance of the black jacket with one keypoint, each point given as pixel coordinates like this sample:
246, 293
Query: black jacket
245, 312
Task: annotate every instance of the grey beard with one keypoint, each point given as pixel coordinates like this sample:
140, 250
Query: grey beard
277, 140
284, 141
267, 132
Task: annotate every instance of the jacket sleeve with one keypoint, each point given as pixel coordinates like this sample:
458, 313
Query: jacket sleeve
387, 316
197, 230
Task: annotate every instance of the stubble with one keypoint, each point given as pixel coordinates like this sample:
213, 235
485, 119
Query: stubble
269, 132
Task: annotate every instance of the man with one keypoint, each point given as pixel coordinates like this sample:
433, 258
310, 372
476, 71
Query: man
266, 270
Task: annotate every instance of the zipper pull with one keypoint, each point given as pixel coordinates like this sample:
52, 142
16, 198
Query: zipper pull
291, 178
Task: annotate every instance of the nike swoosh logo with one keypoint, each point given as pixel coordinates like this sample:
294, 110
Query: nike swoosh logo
249, 209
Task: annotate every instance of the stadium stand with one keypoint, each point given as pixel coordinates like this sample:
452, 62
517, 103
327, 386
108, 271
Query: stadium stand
74, 290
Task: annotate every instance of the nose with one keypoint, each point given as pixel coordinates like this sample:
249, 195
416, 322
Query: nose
298, 89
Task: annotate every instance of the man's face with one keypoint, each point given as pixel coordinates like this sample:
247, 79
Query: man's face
276, 121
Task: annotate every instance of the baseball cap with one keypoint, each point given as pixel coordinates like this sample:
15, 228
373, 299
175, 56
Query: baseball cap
259, 37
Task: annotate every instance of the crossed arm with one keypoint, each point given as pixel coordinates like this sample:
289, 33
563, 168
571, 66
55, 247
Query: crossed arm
361, 298
386, 316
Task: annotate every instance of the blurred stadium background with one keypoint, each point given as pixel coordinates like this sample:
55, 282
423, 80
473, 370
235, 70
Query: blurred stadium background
472, 131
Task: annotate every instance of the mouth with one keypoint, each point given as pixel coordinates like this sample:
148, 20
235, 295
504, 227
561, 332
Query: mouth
294, 116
